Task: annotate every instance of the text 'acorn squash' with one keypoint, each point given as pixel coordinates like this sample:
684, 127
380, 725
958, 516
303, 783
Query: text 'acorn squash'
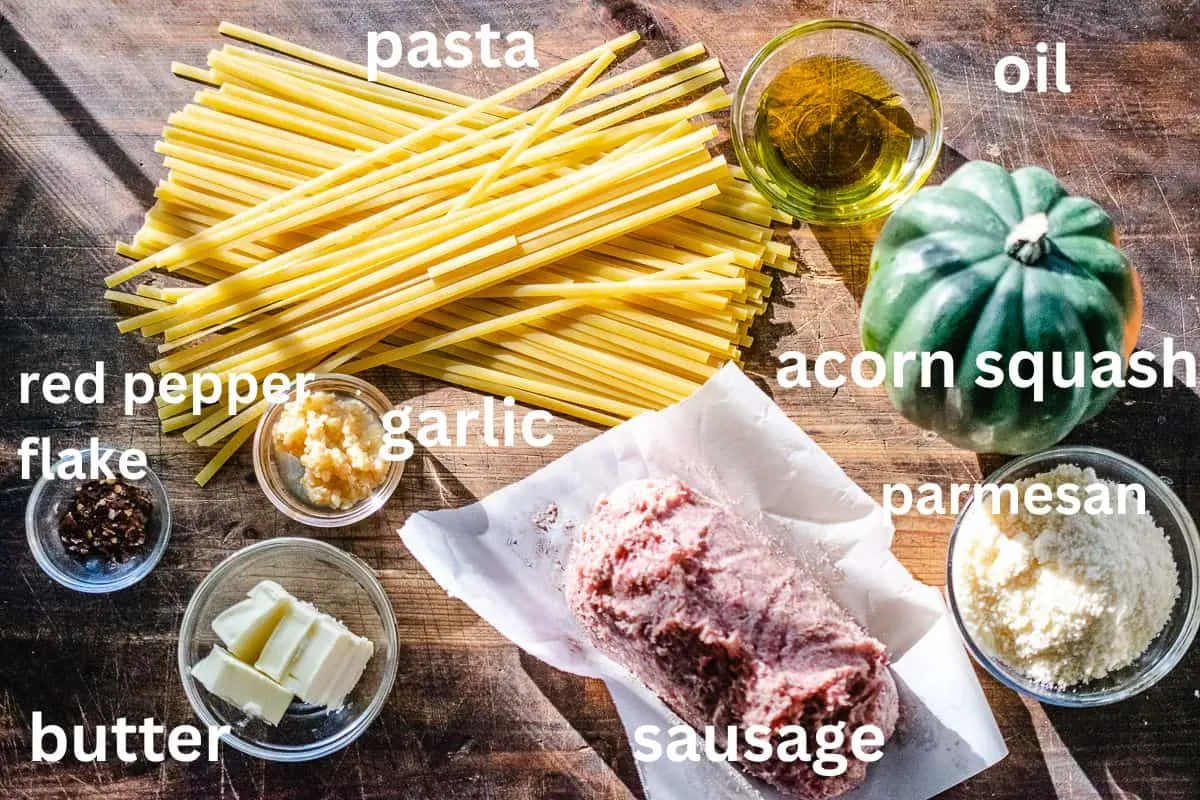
993, 261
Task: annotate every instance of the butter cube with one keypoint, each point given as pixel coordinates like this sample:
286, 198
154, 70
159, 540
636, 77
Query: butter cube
242, 686
329, 664
286, 640
268, 590
245, 626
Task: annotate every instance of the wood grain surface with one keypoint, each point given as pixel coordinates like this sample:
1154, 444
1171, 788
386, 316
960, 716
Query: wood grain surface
85, 88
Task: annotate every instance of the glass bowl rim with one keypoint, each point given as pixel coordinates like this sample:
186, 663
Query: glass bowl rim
339, 383
1087, 455
909, 54
366, 579
34, 534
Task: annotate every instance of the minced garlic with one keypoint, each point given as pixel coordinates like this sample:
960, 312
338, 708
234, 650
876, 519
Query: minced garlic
1063, 598
337, 440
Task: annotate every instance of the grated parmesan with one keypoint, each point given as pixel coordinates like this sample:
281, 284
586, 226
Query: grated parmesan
1064, 599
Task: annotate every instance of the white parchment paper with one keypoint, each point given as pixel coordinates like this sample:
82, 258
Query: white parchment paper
505, 558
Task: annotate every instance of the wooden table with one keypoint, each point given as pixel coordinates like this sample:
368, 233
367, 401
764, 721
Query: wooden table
85, 89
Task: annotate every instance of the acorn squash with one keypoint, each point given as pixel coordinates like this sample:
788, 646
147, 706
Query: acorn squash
993, 261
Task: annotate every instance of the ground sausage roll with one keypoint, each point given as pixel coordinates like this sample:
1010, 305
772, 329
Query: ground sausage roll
726, 632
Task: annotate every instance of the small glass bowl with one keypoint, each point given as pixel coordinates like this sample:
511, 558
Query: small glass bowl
1171, 643
339, 585
46, 504
893, 59
279, 474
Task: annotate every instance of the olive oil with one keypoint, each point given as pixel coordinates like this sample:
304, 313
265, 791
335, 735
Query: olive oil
835, 135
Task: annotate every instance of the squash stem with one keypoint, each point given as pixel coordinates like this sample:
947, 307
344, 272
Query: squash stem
1026, 242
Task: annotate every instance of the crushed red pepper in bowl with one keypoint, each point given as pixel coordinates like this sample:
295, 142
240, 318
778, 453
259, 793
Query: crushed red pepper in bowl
108, 519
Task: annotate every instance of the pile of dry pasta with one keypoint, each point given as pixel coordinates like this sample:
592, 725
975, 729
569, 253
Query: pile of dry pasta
589, 256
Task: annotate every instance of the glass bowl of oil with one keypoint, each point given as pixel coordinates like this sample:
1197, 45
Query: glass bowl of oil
837, 122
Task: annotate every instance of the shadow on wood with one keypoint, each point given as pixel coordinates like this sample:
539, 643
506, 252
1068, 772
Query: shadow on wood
848, 250
424, 471
631, 15
1120, 747
22, 55
596, 721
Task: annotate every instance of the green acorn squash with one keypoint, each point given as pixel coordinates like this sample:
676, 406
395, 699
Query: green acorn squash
993, 261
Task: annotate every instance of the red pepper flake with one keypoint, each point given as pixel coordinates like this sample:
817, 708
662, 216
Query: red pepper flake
107, 518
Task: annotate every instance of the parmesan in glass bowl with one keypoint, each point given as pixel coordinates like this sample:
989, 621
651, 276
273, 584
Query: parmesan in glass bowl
1076, 614
317, 454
